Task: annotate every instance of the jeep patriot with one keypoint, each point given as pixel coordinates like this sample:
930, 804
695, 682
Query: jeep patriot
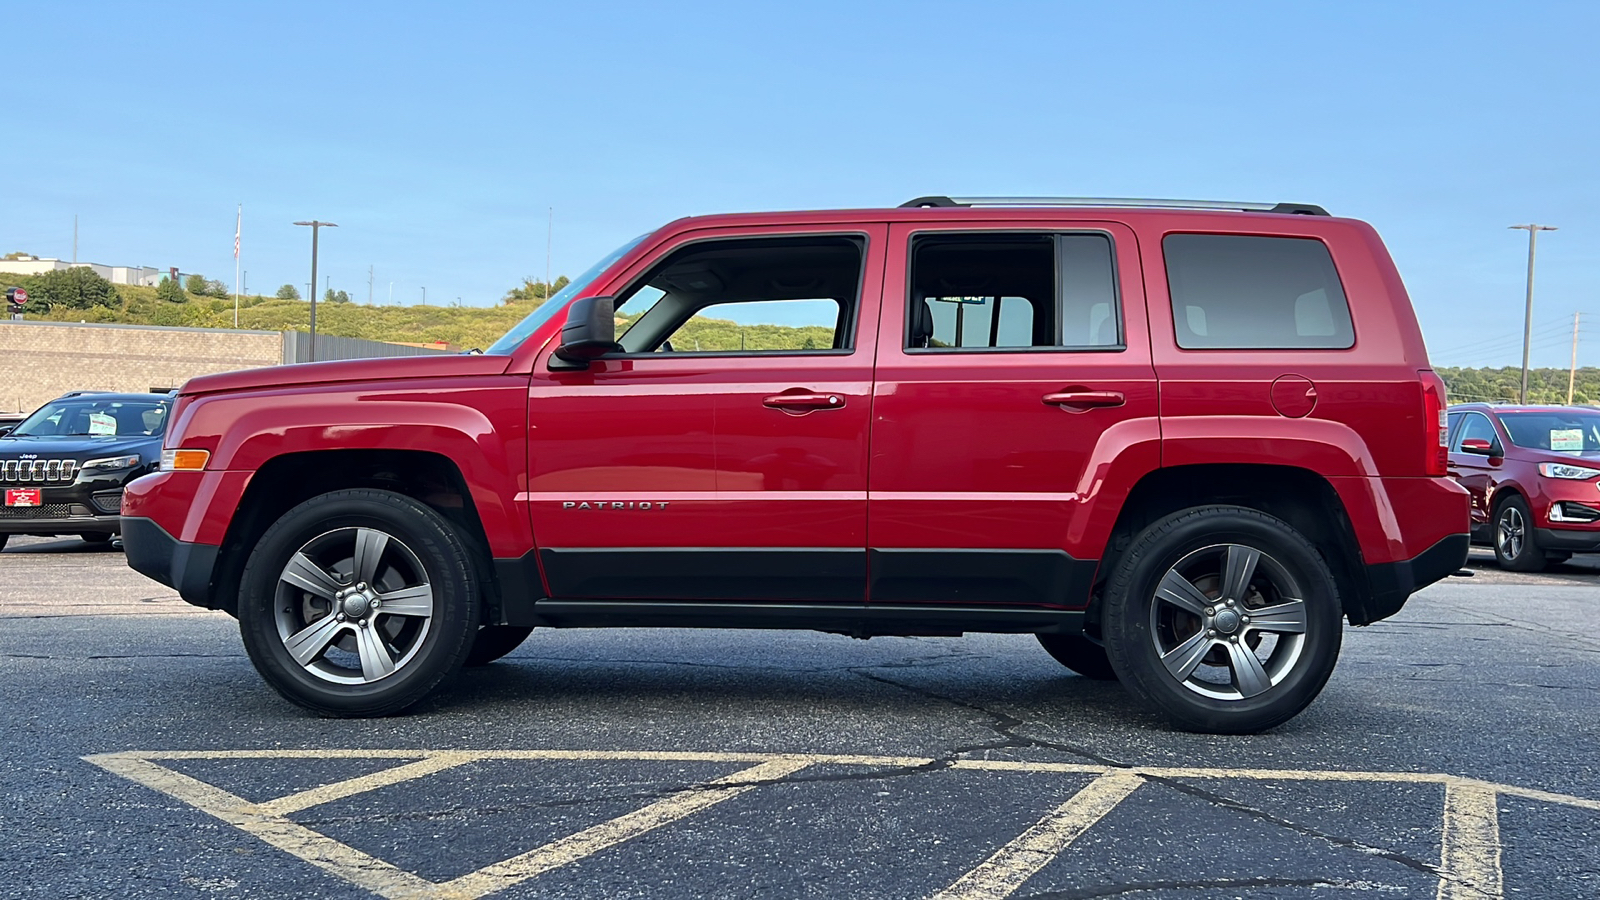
1181, 442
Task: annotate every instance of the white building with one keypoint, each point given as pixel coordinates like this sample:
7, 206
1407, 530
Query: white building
147, 276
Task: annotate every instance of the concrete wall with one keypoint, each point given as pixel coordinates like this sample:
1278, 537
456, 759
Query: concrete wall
40, 361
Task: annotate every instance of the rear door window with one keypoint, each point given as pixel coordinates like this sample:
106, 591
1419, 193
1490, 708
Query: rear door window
1245, 292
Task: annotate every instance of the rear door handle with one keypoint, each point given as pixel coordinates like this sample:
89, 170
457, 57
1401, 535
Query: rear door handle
804, 401
1085, 398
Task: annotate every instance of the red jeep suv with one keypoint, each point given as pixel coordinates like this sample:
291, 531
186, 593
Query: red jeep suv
1178, 441
1534, 475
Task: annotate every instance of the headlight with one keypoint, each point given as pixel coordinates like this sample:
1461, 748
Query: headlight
114, 463
1564, 470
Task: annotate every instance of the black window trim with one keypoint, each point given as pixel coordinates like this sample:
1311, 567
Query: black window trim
853, 326
1120, 346
1172, 307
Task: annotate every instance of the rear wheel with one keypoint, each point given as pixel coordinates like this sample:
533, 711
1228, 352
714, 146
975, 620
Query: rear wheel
495, 641
1514, 546
358, 603
1224, 618
1079, 654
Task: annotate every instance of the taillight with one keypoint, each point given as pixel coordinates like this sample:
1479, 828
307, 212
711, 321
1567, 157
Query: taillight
1436, 427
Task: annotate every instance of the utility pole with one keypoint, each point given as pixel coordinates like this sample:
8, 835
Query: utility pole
369, 284
1572, 373
1527, 318
424, 295
312, 288
74, 240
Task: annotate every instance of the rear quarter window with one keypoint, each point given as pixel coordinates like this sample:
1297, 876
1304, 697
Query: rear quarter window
1245, 292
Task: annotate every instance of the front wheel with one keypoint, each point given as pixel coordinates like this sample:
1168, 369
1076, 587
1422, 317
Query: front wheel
1514, 547
358, 603
1224, 618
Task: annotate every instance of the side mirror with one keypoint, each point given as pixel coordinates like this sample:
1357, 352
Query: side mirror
590, 332
6, 428
1478, 447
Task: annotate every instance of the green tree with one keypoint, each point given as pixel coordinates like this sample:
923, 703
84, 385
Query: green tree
76, 288
535, 292
288, 292
333, 296
196, 285
217, 289
169, 291
18, 254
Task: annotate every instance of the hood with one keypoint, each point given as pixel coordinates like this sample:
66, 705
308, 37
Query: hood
79, 447
1589, 458
382, 369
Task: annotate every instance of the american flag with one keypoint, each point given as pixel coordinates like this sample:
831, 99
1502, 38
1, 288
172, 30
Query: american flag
238, 223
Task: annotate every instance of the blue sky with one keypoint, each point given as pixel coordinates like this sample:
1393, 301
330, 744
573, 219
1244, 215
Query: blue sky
438, 135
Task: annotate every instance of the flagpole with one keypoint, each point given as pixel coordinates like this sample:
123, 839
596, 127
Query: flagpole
238, 225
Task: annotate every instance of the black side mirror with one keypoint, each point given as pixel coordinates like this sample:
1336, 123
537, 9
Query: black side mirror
590, 332
6, 429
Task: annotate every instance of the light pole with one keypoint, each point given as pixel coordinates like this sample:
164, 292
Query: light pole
315, 227
1527, 316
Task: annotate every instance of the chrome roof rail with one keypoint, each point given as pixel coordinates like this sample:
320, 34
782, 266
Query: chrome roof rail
1304, 209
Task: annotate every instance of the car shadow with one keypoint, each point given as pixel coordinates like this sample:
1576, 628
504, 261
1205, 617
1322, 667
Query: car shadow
63, 545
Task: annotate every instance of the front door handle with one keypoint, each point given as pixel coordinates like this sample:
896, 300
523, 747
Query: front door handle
1085, 398
804, 400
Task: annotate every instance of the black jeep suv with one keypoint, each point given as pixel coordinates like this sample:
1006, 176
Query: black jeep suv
62, 469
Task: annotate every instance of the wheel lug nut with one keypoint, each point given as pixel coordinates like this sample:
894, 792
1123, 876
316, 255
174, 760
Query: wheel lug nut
1211, 632
339, 617
1245, 619
1235, 638
1210, 611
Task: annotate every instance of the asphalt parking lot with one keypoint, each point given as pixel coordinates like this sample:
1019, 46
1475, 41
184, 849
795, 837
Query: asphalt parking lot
1455, 754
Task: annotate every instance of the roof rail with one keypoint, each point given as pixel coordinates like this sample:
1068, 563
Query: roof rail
1302, 209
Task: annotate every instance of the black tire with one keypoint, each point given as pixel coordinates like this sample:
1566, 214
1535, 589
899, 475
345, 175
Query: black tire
1208, 633
1516, 548
97, 537
369, 649
1079, 654
495, 641
3, 539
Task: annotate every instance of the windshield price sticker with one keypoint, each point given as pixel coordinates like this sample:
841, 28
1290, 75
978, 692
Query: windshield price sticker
102, 423
1566, 439
23, 497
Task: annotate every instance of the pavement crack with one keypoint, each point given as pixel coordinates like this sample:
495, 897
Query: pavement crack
1262, 815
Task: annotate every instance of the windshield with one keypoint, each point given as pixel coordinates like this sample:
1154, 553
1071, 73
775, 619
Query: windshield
87, 417
1564, 431
547, 310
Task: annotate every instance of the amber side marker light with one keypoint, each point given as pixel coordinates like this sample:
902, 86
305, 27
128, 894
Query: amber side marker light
184, 460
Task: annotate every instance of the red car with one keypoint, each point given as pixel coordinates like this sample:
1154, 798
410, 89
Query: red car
1181, 442
1534, 475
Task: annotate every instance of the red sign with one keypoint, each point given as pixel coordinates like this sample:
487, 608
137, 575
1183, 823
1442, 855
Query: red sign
17, 296
23, 497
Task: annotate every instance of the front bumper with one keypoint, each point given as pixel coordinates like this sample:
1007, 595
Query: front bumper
88, 505
1568, 540
154, 553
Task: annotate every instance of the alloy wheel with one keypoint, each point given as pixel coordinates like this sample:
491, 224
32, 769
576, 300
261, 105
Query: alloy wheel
353, 605
1512, 533
1228, 622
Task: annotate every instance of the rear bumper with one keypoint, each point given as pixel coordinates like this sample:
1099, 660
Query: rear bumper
181, 565
1392, 583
